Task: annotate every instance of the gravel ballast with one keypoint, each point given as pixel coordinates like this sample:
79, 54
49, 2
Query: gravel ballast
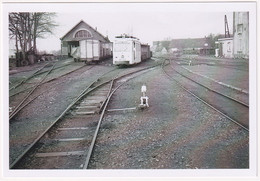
176, 131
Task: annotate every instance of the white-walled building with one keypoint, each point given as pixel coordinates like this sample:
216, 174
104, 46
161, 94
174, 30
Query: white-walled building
241, 34
238, 45
225, 47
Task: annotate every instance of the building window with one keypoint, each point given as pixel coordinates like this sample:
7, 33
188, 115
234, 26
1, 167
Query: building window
240, 28
82, 34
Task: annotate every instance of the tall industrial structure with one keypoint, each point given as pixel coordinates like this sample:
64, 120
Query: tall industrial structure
227, 35
241, 34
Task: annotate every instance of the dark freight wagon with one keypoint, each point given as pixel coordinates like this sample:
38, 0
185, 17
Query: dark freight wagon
145, 50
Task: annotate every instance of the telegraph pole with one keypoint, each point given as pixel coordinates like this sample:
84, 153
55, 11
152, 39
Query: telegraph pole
227, 35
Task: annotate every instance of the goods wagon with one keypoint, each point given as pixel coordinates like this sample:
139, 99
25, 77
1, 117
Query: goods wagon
145, 51
128, 50
91, 51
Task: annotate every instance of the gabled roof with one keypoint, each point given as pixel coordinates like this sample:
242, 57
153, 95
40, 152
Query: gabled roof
81, 21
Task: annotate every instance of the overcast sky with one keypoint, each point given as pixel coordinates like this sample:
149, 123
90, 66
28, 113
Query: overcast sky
147, 21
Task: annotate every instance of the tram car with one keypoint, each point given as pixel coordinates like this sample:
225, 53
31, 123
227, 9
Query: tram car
127, 50
91, 51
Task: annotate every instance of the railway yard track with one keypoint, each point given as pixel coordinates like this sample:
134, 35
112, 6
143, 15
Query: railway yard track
82, 132
70, 139
26, 85
27, 92
235, 66
233, 109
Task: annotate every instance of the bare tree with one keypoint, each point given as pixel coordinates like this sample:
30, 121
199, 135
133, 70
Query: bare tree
18, 29
43, 24
26, 27
212, 39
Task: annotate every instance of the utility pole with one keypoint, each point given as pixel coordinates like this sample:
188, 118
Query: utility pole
227, 35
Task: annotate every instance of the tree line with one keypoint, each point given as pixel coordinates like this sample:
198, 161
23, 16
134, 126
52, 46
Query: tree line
26, 27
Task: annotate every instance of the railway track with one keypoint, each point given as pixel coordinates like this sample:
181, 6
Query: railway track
69, 141
34, 75
28, 78
20, 105
28, 95
234, 110
38, 72
207, 87
228, 66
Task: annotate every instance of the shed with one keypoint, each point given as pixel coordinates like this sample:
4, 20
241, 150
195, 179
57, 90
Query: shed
81, 31
226, 47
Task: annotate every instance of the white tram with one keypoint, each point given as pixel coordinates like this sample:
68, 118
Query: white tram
126, 50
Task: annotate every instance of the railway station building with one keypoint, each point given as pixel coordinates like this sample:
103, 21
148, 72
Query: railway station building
81, 31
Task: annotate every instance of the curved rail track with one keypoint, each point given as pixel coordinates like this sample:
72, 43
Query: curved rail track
28, 78
68, 142
234, 110
19, 106
38, 73
218, 64
22, 103
209, 88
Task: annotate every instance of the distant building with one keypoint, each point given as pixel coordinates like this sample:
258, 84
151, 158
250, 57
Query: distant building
200, 46
164, 51
81, 31
241, 34
173, 50
187, 46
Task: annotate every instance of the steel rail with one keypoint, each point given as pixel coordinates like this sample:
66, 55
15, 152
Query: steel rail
20, 83
21, 107
91, 147
219, 65
17, 108
80, 96
90, 150
50, 79
210, 89
226, 116
24, 105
